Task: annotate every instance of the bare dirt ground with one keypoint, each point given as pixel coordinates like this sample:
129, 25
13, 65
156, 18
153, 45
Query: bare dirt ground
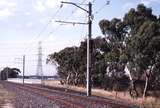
6, 98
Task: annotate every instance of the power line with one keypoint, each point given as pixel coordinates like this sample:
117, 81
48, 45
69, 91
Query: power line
102, 7
75, 9
56, 29
46, 26
51, 32
93, 1
107, 3
89, 47
83, 29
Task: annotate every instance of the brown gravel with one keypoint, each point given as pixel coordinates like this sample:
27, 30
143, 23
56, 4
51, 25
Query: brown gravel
6, 98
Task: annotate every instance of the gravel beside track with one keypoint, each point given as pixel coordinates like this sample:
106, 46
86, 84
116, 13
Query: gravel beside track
25, 99
29, 96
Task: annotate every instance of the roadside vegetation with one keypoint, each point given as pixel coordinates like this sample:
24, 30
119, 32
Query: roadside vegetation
125, 58
9, 73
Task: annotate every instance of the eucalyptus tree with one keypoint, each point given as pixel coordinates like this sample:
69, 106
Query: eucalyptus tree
135, 40
72, 62
9, 73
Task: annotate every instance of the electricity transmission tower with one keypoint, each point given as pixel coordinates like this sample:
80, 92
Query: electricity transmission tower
39, 63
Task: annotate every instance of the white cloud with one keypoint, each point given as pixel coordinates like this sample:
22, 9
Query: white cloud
27, 13
6, 3
145, 2
4, 13
127, 6
79, 13
7, 9
42, 5
2, 2
44, 20
47, 20
50, 38
148, 2
54, 24
52, 3
18, 25
29, 24
39, 6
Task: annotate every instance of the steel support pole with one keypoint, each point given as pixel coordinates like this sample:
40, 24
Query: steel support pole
23, 67
89, 50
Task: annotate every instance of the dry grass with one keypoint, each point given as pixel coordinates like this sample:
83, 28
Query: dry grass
149, 102
95, 91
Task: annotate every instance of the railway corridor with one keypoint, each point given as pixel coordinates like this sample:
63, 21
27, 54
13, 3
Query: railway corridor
32, 96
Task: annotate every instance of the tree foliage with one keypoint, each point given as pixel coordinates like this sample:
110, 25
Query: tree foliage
9, 73
72, 62
137, 39
130, 43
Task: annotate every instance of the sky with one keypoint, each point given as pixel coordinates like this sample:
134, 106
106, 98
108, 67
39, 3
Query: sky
23, 23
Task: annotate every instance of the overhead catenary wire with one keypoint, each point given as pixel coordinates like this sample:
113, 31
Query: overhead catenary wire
74, 10
57, 28
89, 12
84, 35
46, 26
102, 7
49, 22
93, 1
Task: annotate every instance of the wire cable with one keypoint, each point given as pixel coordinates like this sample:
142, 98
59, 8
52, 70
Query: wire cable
93, 1
75, 9
102, 7
56, 29
46, 26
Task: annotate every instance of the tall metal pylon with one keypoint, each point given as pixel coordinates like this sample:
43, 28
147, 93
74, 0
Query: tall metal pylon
39, 63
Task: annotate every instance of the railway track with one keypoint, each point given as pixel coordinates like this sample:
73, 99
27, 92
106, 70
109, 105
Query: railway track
70, 100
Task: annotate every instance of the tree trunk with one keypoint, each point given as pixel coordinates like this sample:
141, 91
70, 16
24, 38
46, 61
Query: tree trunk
67, 80
145, 88
76, 79
147, 78
129, 74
